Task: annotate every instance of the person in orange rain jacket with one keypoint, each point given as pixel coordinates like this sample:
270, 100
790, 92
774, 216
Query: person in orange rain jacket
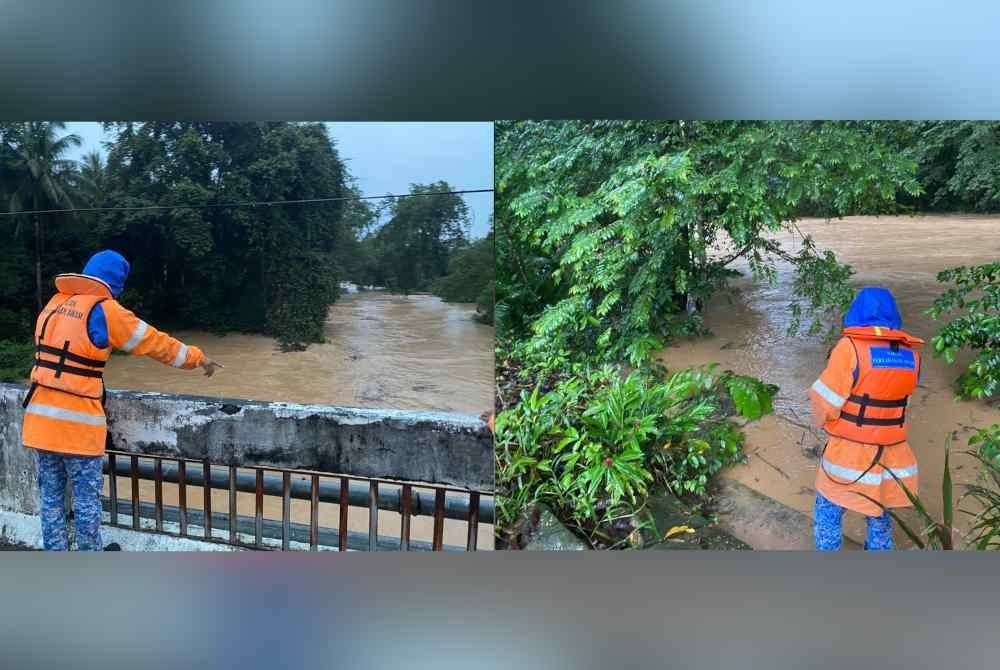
860, 400
64, 419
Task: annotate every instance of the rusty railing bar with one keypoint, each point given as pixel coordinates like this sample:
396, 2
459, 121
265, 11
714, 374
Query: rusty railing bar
206, 495
232, 505
314, 514
472, 537
182, 495
158, 492
134, 481
372, 516
439, 498
345, 488
404, 523
113, 487
259, 509
286, 508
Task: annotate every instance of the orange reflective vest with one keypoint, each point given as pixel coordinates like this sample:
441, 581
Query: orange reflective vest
63, 359
886, 369
860, 399
64, 409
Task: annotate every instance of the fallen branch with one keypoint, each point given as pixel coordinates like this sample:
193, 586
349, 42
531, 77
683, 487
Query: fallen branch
780, 471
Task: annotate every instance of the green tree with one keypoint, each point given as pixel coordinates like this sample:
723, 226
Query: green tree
267, 269
471, 277
959, 164
628, 213
92, 183
975, 295
40, 175
352, 256
423, 231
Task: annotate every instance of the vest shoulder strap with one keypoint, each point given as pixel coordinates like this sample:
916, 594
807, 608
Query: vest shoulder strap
45, 324
64, 354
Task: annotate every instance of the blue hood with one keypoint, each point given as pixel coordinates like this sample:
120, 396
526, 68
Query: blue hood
110, 267
873, 306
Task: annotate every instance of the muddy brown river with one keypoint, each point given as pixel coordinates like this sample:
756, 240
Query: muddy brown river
382, 351
903, 254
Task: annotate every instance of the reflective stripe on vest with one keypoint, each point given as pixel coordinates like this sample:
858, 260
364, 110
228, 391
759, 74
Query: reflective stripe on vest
870, 478
66, 415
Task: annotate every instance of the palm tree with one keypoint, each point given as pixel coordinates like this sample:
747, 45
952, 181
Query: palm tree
92, 178
42, 176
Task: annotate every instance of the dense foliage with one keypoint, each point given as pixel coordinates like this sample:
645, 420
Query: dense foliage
15, 360
269, 269
959, 164
471, 277
629, 217
975, 295
595, 443
266, 269
413, 247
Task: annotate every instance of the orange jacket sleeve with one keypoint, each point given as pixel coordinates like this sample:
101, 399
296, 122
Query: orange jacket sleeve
829, 393
131, 334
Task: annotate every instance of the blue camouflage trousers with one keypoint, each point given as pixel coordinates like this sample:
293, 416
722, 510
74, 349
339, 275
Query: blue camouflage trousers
87, 480
828, 518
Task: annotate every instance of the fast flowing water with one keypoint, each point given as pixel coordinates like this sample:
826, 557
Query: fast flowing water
382, 351
903, 254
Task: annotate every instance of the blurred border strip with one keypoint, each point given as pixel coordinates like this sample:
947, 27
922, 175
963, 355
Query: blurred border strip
446, 60
525, 610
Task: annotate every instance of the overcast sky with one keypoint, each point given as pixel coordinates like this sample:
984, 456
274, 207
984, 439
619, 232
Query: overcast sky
388, 157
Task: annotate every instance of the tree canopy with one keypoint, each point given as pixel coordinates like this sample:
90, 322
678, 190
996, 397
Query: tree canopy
471, 277
412, 248
610, 222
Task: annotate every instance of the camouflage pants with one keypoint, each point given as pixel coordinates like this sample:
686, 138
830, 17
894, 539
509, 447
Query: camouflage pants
828, 519
85, 474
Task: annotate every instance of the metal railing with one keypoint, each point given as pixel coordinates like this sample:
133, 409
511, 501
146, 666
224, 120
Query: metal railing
408, 499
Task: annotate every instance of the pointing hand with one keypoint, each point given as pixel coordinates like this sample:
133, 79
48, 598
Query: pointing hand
210, 366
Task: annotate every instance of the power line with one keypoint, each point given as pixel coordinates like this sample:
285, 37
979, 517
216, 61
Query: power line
253, 203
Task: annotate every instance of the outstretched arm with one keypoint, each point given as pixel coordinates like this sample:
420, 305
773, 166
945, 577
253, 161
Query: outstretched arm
131, 334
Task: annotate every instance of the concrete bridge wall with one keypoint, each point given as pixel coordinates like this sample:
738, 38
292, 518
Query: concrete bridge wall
433, 447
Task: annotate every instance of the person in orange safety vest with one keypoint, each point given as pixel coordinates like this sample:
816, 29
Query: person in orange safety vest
64, 417
860, 400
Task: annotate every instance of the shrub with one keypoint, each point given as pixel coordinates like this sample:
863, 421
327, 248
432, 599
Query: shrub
976, 293
988, 440
594, 443
15, 360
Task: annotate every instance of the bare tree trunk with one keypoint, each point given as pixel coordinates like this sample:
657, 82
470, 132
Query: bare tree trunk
38, 257
691, 239
699, 259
